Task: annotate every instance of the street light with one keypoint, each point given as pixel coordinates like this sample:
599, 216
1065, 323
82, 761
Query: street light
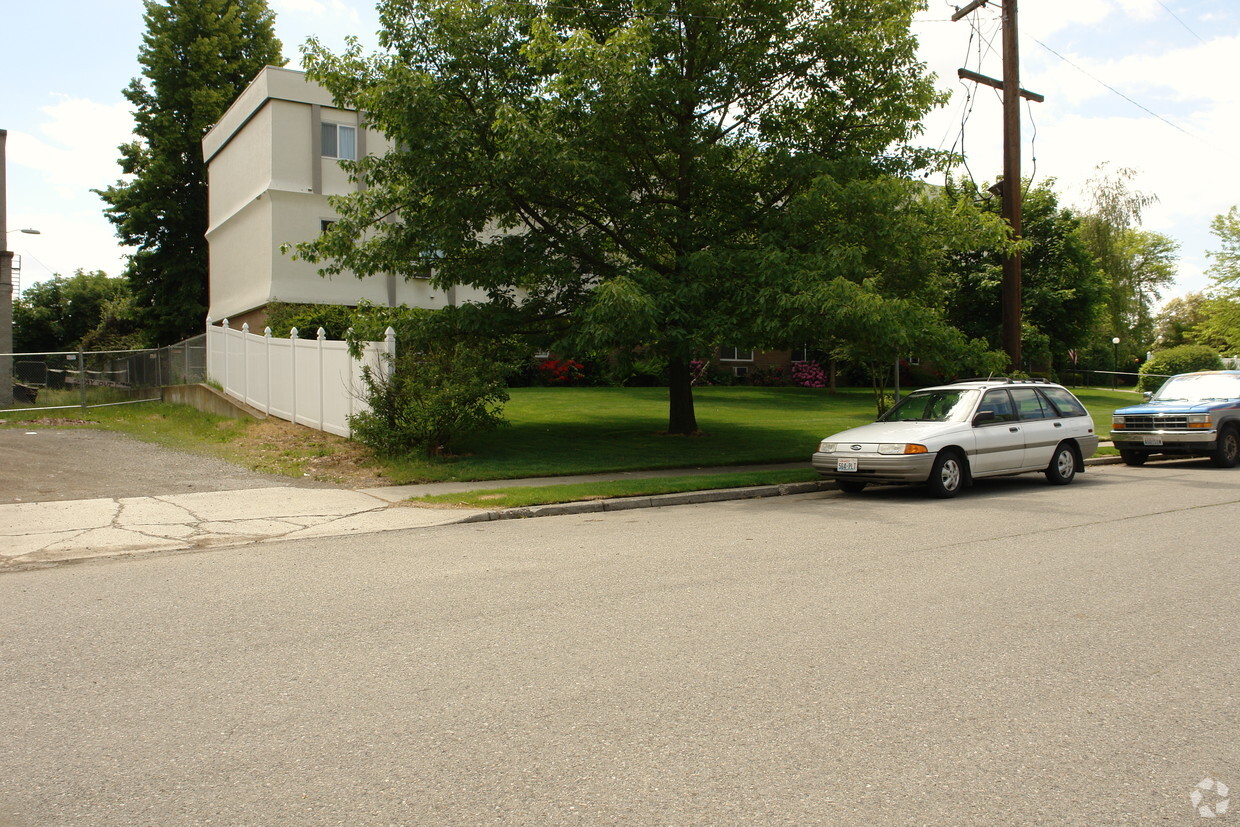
1115, 361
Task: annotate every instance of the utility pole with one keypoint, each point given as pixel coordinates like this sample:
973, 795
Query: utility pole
6, 286
1011, 189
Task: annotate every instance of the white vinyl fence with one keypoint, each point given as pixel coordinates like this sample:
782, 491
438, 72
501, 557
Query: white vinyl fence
313, 382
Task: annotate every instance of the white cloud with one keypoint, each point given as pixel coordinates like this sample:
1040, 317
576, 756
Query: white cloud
68, 241
316, 8
78, 148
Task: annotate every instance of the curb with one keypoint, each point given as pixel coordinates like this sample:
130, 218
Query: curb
652, 501
684, 498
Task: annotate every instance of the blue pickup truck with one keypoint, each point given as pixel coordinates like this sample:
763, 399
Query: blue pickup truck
1192, 414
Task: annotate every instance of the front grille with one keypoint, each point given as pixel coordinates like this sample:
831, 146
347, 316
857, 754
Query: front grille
1167, 422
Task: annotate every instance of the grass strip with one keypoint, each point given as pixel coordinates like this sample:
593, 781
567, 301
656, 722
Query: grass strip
519, 496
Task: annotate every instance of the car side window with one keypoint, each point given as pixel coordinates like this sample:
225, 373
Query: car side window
1000, 403
1029, 404
1065, 402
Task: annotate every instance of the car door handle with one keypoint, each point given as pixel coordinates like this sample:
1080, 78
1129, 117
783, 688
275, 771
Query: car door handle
1058, 424
1014, 429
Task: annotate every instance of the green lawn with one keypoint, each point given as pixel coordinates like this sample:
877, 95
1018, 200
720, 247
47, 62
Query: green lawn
557, 431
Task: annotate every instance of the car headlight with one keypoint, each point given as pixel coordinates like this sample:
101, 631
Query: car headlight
1117, 423
1199, 420
826, 447
901, 448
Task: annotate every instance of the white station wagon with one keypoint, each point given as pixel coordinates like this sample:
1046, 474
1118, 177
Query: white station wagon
945, 437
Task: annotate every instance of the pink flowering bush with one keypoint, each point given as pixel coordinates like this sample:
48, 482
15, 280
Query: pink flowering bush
700, 371
808, 375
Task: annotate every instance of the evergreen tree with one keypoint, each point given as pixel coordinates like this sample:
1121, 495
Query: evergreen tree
196, 57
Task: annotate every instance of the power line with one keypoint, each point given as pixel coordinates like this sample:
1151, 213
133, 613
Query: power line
1143, 108
1181, 22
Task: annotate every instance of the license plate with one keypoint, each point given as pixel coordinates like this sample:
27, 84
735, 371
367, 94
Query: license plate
846, 465
1150, 439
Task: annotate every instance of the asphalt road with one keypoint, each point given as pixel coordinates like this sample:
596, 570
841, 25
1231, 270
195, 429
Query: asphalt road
1022, 654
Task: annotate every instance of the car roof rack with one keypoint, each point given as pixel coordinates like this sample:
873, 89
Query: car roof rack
1006, 380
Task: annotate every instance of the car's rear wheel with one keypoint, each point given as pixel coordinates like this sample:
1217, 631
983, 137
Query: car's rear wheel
851, 486
1227, 454
1134, 458
947, 476
1062, 469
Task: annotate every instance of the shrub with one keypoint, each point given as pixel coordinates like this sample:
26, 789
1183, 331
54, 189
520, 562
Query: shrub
1182, 359
430, 401
335, 319
767, 377
646, 372
445, 384
562, 372
808, 375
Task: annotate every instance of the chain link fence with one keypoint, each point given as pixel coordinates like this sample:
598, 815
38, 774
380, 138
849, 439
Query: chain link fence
88, 379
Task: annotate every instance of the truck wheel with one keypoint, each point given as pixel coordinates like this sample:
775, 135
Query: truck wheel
1134, 458
1227, 454
1062, 469
947, 476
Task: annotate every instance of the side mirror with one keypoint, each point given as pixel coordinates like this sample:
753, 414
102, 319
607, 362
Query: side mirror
983, 417
1148, 395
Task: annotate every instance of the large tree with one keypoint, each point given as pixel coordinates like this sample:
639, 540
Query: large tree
615, 173
86, 308
1063, 290
1137, 264
196, 57
1219, 325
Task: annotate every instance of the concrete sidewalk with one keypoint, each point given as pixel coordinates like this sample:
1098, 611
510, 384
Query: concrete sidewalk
38, 534
34, 534
50, 532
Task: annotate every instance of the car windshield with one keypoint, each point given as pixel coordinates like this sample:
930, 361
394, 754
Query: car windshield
1199, 387
931, 406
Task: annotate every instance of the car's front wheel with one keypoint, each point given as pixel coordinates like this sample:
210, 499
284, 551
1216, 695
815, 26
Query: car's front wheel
947, 476
1133, 458
1227, 454
851, 486
1062, 469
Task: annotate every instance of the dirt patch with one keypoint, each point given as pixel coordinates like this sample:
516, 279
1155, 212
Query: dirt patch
274, 445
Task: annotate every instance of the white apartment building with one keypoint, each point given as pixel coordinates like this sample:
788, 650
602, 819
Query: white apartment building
272, 161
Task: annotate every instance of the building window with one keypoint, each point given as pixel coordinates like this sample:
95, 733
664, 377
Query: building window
801, 354
339, 141
735, 354
324, 223
428, 260
740, 372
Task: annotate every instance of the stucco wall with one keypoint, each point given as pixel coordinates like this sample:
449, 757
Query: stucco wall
241, 260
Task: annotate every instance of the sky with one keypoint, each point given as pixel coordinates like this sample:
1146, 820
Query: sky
1146, 85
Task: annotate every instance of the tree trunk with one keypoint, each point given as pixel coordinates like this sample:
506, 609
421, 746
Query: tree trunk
681, 418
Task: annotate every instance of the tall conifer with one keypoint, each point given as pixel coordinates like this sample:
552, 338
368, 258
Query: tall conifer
196, 57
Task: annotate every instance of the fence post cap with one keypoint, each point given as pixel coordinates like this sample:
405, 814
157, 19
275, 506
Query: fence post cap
224, 324
267, 331
322, 334
245, 327
292, 333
